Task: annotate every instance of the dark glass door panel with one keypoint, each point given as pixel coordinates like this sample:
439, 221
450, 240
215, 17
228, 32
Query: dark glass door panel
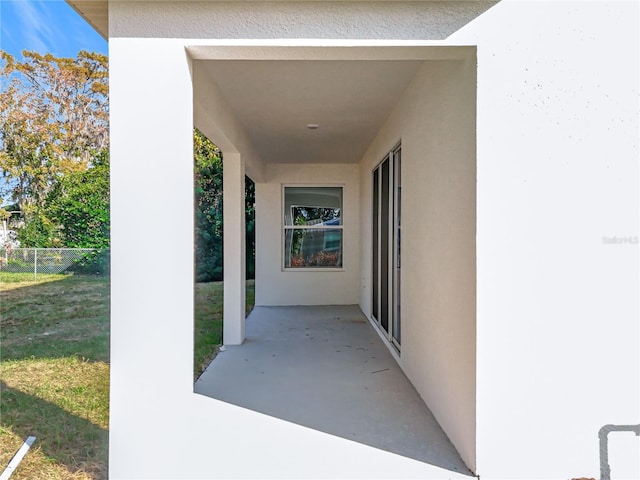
376, 245
385, 216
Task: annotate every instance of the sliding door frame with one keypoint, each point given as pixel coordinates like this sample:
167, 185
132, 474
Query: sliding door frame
386, 242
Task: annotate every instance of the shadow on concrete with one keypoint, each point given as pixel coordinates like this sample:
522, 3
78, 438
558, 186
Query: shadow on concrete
327, 369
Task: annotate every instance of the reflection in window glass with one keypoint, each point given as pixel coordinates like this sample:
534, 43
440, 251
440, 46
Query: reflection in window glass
313, 247
313, 205
313, 227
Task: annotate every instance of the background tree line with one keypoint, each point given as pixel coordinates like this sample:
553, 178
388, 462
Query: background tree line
54, 160
208, 212
54, 139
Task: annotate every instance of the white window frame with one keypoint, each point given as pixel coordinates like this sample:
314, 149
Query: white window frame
284, 228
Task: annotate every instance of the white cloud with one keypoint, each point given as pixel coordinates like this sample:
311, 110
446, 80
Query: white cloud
46, 26
34, 25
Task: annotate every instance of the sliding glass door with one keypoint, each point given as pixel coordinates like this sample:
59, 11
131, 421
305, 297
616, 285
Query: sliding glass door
386, 246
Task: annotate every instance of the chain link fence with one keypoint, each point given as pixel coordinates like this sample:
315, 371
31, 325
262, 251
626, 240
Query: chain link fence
52, 260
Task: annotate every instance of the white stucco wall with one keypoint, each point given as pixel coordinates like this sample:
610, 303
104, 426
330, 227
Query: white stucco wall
435, 120
276, 286
558, 338
159, 428
557, 316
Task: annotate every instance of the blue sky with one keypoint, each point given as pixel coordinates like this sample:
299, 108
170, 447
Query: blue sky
46, 26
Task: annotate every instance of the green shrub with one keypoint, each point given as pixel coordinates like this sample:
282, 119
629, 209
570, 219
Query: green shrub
96, 262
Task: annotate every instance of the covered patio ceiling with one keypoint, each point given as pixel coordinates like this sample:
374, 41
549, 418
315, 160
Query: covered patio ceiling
261, 100
309, 111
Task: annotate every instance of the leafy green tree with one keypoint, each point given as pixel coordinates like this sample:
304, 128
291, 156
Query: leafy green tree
208, 217
53, 121
208, 202
40, 230
250, 220
79, 206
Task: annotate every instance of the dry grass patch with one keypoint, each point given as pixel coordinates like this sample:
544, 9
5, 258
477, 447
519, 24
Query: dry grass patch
80, 388
54, 375
36, 464
54, 372
57, 317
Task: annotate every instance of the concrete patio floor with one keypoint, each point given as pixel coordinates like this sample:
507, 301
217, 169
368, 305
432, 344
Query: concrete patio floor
326, 368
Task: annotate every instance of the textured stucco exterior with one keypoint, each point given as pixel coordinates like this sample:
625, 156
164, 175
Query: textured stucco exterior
390, 20
435, 121
557, 174
521, 169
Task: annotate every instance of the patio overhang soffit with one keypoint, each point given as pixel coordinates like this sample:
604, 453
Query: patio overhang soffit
311, 105
95, 12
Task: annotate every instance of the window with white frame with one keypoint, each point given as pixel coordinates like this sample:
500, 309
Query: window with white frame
312, 227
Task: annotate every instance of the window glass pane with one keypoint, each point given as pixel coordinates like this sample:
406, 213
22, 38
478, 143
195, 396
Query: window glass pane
313, 247
312, 206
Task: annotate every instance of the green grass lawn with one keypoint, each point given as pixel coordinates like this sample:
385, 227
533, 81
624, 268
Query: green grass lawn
54, 369
54, 374
208, 321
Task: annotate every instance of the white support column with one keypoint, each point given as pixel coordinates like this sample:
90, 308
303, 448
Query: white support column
152, 286
234, 248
